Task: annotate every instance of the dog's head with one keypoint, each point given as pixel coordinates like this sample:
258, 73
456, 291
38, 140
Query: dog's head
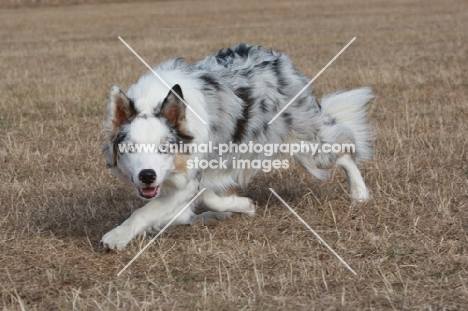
137, 146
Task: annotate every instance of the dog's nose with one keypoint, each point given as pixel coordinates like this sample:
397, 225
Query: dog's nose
147, 176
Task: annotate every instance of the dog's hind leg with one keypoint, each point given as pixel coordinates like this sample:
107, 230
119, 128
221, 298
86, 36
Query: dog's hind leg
344, 123
320, 165
232, 203
357, 187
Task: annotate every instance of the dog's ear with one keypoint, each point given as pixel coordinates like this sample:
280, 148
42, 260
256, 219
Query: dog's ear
173, 108
120, 109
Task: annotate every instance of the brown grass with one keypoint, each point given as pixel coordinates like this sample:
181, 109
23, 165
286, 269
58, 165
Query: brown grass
408, 244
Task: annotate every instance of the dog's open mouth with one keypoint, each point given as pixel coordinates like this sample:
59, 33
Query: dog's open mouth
149, 192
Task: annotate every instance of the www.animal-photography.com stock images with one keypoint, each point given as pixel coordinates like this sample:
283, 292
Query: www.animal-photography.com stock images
233, 155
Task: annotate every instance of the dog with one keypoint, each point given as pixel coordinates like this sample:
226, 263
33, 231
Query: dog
229, 97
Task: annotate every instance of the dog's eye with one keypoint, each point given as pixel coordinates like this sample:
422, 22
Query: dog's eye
163, 148
131, 149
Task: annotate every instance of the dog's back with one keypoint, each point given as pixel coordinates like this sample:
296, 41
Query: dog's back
257, 83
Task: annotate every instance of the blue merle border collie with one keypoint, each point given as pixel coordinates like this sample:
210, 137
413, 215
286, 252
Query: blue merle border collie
237, 92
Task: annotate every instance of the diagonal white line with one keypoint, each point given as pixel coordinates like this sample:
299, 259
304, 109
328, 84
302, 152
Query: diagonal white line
161, 79
312, 230
308, 84
160, 232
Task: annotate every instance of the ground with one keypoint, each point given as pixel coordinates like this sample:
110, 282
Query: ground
408, 243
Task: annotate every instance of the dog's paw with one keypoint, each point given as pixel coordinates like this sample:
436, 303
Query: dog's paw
250, 211
360, 199
118, 238
360, 196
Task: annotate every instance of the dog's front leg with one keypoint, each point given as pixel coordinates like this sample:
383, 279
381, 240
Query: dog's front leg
152, 217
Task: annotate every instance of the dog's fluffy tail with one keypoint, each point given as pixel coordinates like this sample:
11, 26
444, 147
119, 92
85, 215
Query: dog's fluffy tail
348, 109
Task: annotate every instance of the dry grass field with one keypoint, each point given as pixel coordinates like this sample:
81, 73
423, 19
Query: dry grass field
408, 244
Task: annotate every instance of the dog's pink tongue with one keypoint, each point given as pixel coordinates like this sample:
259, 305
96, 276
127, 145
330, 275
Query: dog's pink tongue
148, 191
